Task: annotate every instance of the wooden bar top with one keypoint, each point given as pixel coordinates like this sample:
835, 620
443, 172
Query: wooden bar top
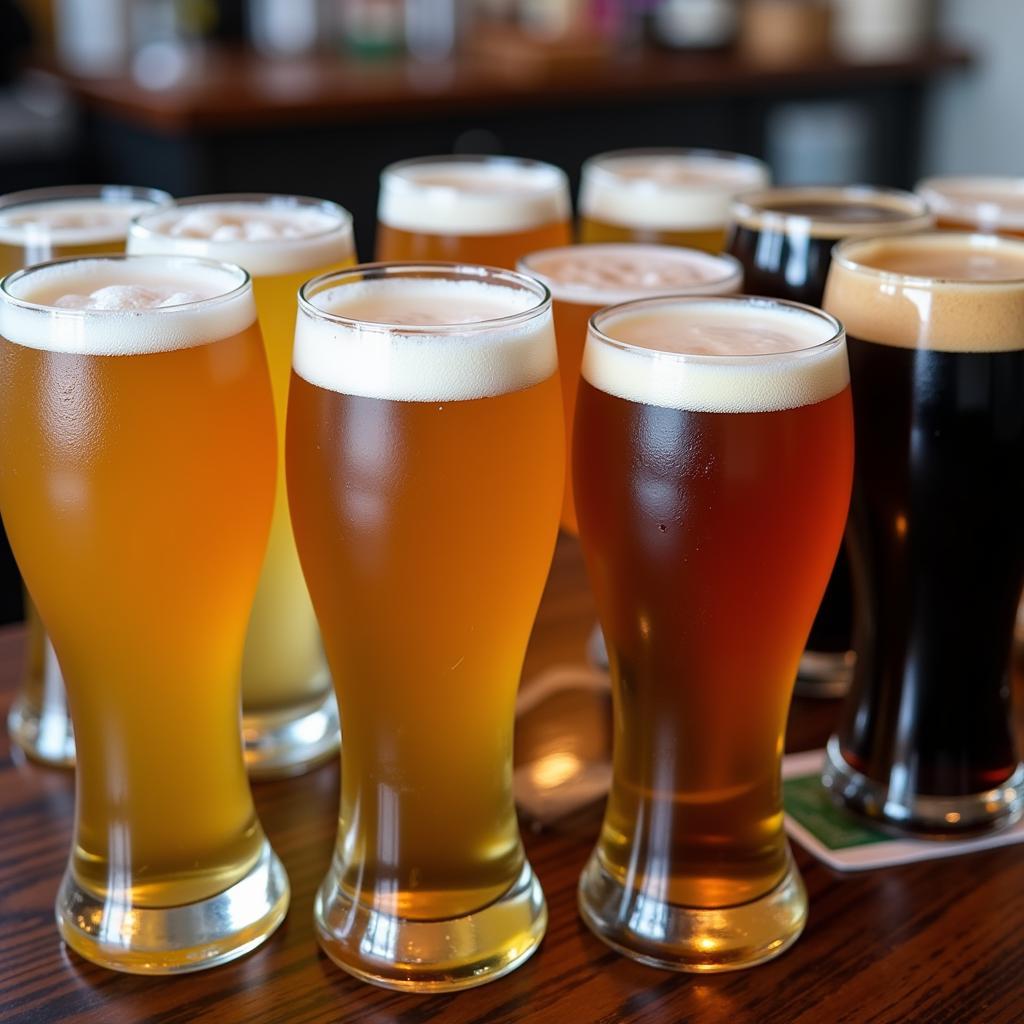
941, 942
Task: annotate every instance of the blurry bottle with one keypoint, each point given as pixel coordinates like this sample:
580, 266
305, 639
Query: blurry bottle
284, 29
880, 29
696, 24
433, 28
372, 28
93, 37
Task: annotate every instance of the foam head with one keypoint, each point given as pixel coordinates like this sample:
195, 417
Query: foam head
989, 203
134, 305
424, 334
600, 274
668, 190
725, 355
267, 235
472, 195
942, 290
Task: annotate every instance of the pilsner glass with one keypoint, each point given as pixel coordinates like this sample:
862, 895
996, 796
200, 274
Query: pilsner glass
36, 226
290, 717
471, 209
673, 196
976, 203
137, 482
425, 470
936, 324
583, 278
712, 462
784, 239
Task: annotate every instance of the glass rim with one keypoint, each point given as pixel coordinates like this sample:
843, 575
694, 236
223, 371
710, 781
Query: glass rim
597, 164
58, 193
244, 280
836, 337
392, 173
420, 270
989, 211
842, 256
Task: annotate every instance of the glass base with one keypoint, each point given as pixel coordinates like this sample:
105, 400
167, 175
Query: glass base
935, 817
46, 737
680, 938
280, 744
431, 956
825, 674
178, 939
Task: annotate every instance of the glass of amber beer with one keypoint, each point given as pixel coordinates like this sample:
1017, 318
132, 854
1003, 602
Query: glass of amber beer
712, 464
977, 203
471, 209
136, 484
936, 323
37, 226
290, 717
425, 468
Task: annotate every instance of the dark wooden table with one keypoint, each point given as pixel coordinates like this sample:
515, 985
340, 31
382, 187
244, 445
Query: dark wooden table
934, 943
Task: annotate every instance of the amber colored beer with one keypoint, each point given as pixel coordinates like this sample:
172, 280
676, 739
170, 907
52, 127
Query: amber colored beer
136, 486
425, 471
976, 203
712, 463
489, 210
583, 278
669, 196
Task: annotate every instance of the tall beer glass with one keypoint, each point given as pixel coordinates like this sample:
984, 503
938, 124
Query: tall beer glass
673, 196
36, 226
471, 209
583, 278
712, 463
977, 203
425, 471
290, 717
936, 326
784, 238
136, 483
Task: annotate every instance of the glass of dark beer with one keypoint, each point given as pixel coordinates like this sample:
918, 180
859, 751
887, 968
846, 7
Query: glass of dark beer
784, 237
936, 342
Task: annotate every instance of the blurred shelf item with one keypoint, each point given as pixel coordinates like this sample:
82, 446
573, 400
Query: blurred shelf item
782, 33
881, 29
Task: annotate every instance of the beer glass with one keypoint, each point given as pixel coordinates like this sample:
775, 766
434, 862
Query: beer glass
136, 483
976, 203
784, 237
712, 463
36, 226
290, 717
673, 196
471, 209
425, 468
583, 278
936, 323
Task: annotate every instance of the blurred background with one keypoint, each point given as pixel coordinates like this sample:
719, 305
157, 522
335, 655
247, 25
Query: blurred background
316, 96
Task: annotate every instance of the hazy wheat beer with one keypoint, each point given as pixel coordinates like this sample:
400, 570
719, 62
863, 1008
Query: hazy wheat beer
425, 471
290, 717
673, 196
136, 484
712, 463
583, 278
936, 326
471, 209
784, 239
36, 226
977, 203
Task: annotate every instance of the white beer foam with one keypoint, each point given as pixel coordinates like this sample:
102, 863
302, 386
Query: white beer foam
104, 307
717, 356
80, 221
666, 191
988, 201
353, 357
472, 198
265, 237
608, 273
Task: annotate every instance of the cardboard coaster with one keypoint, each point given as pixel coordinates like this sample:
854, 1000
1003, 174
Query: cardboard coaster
844, 842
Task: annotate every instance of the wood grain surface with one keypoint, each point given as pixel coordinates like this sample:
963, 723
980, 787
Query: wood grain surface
934, 943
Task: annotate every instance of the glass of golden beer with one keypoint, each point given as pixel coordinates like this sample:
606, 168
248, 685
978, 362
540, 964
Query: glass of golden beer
672, 196
425, 468
471, 209
712, 463
36, 226
137, 484
584, 278
993, 204
290, 717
